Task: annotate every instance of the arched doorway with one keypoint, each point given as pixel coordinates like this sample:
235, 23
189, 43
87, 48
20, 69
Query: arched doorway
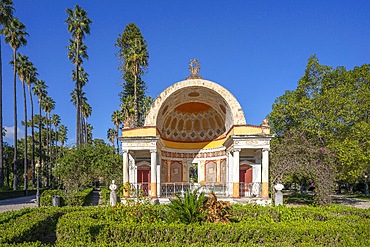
245, 179
143, 178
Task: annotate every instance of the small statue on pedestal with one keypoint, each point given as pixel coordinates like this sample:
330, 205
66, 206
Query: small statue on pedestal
113, 195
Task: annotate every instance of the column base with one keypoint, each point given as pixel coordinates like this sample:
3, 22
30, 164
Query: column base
265, 189
153, 190
236, 190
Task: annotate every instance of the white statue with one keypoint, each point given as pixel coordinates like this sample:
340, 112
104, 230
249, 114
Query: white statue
113, 195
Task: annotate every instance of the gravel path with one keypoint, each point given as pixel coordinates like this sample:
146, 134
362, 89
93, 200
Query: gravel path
30, 202
354, 202
17, 203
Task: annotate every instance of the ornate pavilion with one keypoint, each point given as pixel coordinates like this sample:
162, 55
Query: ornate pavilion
196, 135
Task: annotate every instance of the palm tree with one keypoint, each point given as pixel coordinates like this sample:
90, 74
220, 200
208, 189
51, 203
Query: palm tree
127, 108
31, 78
62, 134
117, 121
24, 69
111, 134
15, 36
86, 111
78, 26
6, 14
89, 129
55, 120
48, 104
136, 60
39, 89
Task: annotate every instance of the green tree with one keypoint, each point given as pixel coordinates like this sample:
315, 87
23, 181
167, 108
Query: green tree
111, 134
39, 89
62, 134
55, 120
24, 69
331, 107
6, 14
80, 166
15, 34
117, 121
48, 104
78, 26
133, 53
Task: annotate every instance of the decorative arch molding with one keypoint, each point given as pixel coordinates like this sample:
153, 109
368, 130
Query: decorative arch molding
218, 98
144, 165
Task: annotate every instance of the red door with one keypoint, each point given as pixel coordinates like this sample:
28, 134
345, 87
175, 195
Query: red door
143, 180
245, 179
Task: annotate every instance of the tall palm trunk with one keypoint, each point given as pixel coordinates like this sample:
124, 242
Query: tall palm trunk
117, 139
49, 149
25, 140
33, 141
78, 108
135, 103
1, 122
85, 130
40, 141
15, 119
56, 145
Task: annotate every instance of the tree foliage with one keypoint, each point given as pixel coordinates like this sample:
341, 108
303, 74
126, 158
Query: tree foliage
82, 165
330, 107
133, 55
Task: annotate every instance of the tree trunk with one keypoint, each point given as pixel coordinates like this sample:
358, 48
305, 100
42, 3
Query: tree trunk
40, 141
1, 122
25, 141
15, 120
50, 150
135, 103
117, 127
78, 107
33, 141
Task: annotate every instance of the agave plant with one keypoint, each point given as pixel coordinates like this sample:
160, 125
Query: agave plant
188, 209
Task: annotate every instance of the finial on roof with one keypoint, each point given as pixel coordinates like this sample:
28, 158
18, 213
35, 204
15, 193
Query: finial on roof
194, 68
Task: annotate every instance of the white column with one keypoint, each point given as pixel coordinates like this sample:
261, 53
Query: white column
229, 172
236, 153
153, 172
125, 170
125, 166
158, 175
265, 172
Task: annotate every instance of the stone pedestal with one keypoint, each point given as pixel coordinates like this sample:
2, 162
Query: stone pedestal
278, 194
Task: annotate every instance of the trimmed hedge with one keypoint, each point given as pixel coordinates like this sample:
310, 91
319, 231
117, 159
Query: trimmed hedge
36, 225
81, 198
15, 193
256, 226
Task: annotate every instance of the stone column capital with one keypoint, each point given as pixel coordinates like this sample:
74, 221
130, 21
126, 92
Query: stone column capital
125, 151
265, 149
237, 150
153, 150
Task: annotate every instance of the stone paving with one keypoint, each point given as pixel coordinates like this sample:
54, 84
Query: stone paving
17, 203
30, 202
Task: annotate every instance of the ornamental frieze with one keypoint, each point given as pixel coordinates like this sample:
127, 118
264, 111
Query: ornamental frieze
193, 155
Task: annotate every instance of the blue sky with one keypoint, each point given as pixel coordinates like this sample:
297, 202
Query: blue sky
255, 49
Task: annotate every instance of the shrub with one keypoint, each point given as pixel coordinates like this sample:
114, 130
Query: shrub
189, 209
79, 198
47, 195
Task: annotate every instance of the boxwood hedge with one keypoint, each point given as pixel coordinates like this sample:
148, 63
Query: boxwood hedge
252, 226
